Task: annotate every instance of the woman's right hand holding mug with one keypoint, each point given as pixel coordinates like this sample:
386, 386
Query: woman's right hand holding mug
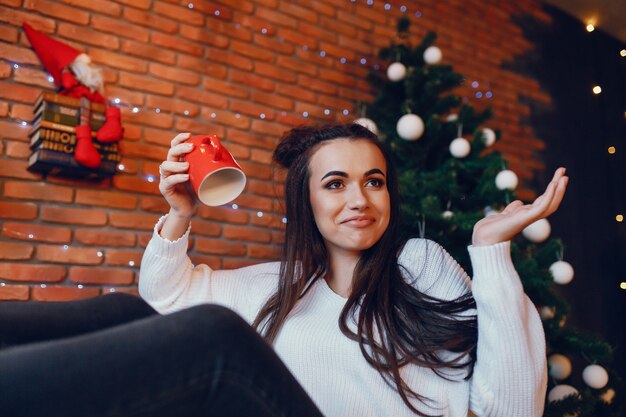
174, 179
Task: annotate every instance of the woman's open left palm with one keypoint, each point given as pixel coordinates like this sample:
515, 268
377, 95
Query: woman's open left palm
516, 216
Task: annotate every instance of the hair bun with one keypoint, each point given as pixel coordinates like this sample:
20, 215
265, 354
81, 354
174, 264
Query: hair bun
292, 144
297, 141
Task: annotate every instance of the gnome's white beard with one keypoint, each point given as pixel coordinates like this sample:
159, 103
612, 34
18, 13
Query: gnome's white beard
86, 73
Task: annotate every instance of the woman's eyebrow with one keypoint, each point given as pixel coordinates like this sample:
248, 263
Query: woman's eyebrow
374, 171
343, 174
333, 173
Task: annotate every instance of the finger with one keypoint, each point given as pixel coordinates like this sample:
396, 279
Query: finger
171, 167
559, 194
542, 203
512, 206
558, 173
180, 138
542, 206
173, 180
179, 150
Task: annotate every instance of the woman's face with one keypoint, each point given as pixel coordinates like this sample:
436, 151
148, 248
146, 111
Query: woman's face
348, 193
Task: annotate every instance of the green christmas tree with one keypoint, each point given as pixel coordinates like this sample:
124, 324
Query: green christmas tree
450, 177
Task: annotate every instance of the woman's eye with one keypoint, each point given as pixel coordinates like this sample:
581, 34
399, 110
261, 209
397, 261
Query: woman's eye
375, 182
333, 185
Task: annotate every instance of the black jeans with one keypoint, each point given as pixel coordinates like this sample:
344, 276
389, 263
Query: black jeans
115, 356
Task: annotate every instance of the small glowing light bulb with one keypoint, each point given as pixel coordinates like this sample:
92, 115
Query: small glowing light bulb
597, 89
622, 285
611, 150
619, 218
590, 28
622, 53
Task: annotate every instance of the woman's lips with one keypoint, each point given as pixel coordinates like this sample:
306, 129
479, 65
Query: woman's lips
359, 221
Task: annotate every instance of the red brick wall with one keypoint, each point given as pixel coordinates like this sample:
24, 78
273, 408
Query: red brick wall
238, 59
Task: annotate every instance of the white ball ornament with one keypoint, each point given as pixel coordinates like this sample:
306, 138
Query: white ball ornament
490, 211
410, 127
547, 313
367, 123
561, 391
559, 366
396, 71
562, 272
506, 180
608, 396
460, 147
489, 136
595, 376
447, 214
432, 55
538, 231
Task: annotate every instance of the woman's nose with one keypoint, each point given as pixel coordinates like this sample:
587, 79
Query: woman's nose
357, 199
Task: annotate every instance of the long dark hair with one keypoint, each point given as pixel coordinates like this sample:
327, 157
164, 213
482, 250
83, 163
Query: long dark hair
397, 324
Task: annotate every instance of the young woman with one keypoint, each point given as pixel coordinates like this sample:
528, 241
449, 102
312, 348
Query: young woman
367, 325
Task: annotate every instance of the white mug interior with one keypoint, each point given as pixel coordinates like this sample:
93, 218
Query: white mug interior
221, 186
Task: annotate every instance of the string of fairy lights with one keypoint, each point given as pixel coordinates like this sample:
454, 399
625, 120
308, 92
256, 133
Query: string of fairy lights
612, 150
482, 90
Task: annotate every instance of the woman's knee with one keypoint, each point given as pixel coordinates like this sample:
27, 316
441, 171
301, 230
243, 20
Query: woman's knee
212, 321
124, 300
210, 316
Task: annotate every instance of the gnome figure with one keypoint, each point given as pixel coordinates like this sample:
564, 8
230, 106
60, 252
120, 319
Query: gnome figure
77, 77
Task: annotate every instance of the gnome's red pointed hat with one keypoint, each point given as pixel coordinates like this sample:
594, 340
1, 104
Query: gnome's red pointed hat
54, 55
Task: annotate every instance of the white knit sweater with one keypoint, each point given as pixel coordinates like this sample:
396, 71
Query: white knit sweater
510, 374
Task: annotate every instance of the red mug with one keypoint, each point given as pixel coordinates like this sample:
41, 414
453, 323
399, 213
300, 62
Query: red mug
214, 174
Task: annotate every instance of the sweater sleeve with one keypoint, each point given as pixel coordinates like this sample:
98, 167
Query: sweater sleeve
510, 374
169, 281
